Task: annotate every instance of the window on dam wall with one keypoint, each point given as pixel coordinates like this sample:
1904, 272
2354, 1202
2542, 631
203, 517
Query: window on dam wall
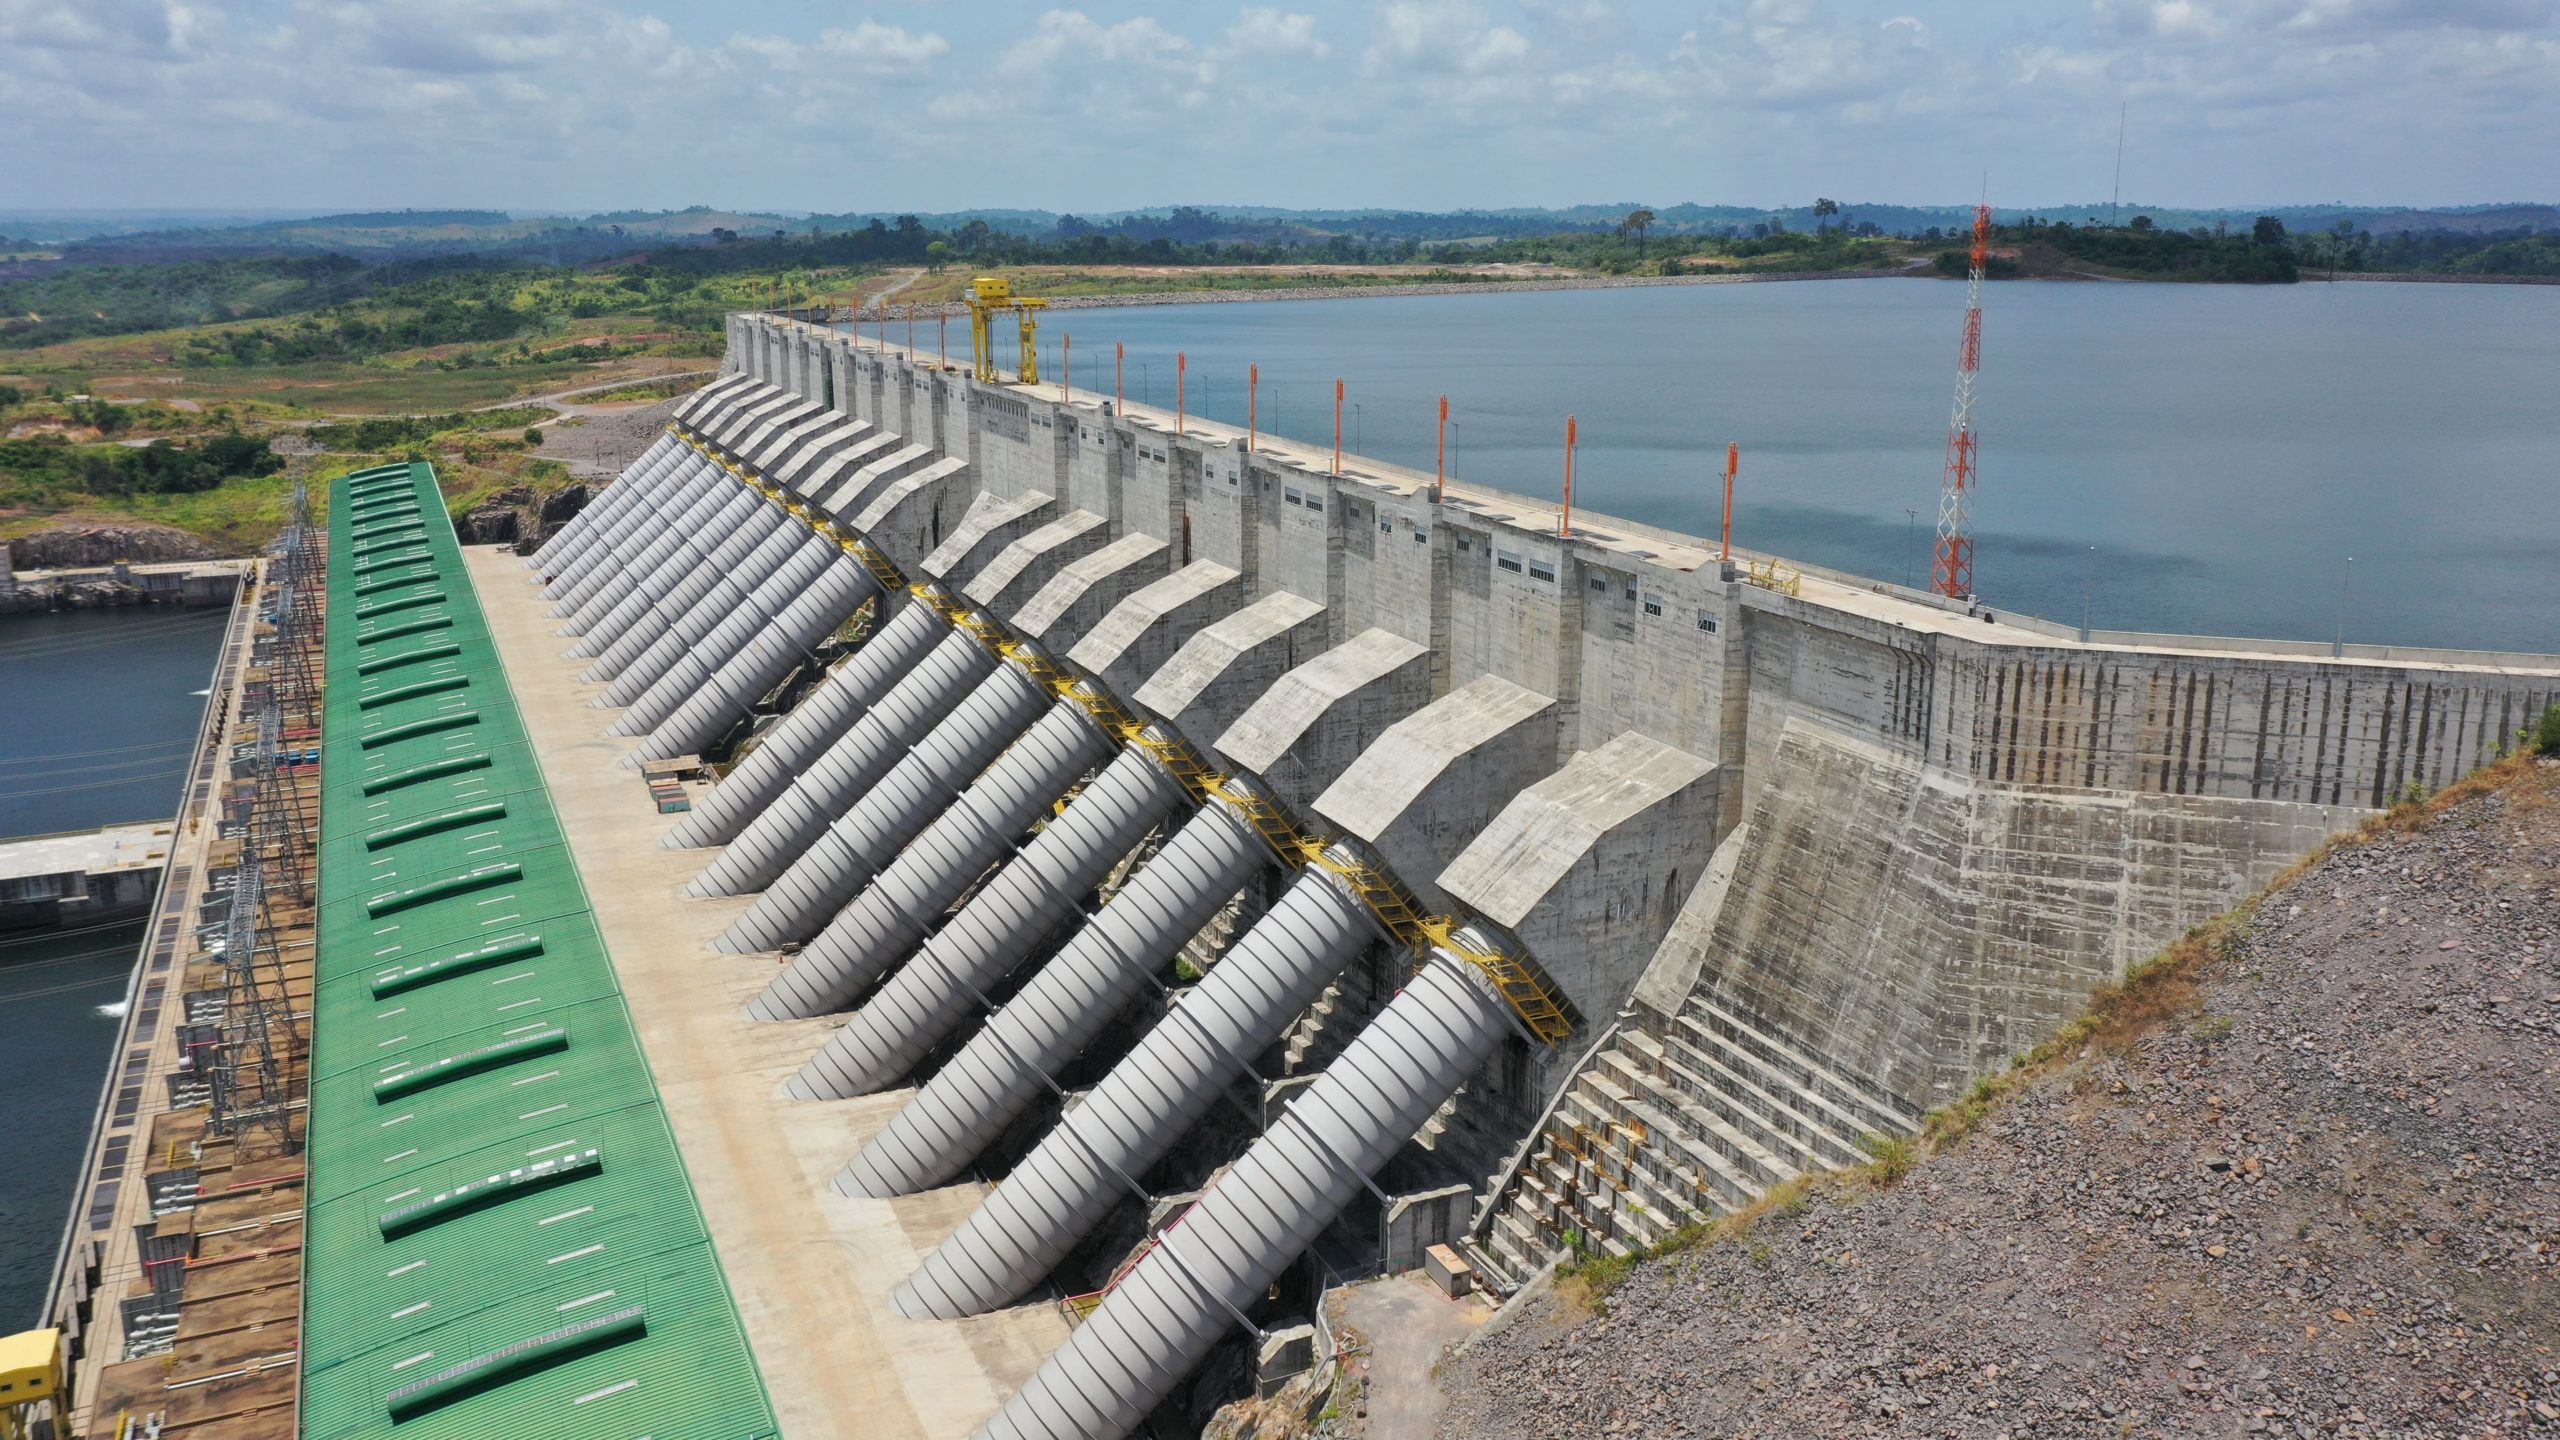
1005, 416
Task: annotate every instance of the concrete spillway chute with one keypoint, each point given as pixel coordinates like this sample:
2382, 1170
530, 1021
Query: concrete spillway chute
921, 779
822, 717
1065, 1186
781, 835
1003, 1069
1218, 1259
1014, 910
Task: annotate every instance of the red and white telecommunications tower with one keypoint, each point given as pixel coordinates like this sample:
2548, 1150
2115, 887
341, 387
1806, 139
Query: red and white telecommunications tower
1952, 571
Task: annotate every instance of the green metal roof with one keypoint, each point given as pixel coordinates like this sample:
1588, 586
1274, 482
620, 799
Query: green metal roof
501, 1239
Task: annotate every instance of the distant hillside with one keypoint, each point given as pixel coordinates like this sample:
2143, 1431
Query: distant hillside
395, 219
2490, 220
163, 237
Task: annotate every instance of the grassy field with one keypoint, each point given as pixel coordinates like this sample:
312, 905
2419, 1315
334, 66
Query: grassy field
503, 337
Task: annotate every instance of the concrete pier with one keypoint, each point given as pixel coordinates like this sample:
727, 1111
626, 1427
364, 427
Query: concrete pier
86, 877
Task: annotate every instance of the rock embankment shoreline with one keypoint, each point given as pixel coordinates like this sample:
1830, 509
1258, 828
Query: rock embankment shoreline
874, 310
95, 556
2324, 1201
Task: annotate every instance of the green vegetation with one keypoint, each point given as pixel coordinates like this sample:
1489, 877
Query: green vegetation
2495, 253
268, 311
47, 469
80, 300
1627, 251
1890, 1157
215, 473
2546, 734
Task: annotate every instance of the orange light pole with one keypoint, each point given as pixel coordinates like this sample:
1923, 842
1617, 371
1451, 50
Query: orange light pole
1252, 404
1440, 464
1119, 368
1732, 462
1337, 425
1181, 363
1564, 522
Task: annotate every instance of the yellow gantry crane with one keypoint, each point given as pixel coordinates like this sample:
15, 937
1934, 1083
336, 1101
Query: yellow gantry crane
34, 1374
987, 295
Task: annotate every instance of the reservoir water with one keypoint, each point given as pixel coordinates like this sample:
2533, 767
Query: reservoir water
98, 718
2165, 457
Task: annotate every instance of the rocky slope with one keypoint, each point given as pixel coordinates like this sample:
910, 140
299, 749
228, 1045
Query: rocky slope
2322, 1200
596, 443
77, 546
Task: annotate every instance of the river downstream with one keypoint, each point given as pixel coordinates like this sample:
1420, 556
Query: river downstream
101, 713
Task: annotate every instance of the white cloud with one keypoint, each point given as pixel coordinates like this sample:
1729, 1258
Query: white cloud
160, 30
1411, 102
1261, 34
1424, 38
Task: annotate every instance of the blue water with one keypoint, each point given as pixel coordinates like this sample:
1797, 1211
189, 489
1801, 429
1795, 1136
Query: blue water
98, 718
98, 714
2168, 457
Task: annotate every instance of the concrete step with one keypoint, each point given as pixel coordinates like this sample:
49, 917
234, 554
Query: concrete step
1436, 1125
1738, 1168
1518, 1246
1818, 1103
1811, 1141
1306, 1046
1657, 1132
1869, 1106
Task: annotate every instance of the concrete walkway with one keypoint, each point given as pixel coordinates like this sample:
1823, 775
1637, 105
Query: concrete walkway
812, 1270
1406, 1323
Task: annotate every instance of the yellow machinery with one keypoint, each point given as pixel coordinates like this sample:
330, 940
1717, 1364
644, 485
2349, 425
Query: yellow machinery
987, 295
32, 1374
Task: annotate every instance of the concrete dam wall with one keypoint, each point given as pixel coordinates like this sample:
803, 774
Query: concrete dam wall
1241, 858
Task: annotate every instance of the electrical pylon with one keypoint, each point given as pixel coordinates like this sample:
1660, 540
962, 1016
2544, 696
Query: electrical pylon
1951, 573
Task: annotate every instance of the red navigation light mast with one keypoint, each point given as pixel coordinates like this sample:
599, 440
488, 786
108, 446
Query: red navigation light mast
1951, 573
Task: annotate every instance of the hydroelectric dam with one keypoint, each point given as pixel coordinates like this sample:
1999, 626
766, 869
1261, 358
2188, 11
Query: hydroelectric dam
1150, 878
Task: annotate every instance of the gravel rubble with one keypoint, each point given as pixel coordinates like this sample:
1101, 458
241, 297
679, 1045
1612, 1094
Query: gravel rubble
602, 440
2327, 1204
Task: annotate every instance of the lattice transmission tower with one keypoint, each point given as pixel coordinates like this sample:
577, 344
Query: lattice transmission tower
1951, 572
250, 1079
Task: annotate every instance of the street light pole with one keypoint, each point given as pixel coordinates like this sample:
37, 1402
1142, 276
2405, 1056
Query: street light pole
2088, 590
2346, 572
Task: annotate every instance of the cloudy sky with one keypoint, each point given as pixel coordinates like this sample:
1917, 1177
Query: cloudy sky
812, 105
